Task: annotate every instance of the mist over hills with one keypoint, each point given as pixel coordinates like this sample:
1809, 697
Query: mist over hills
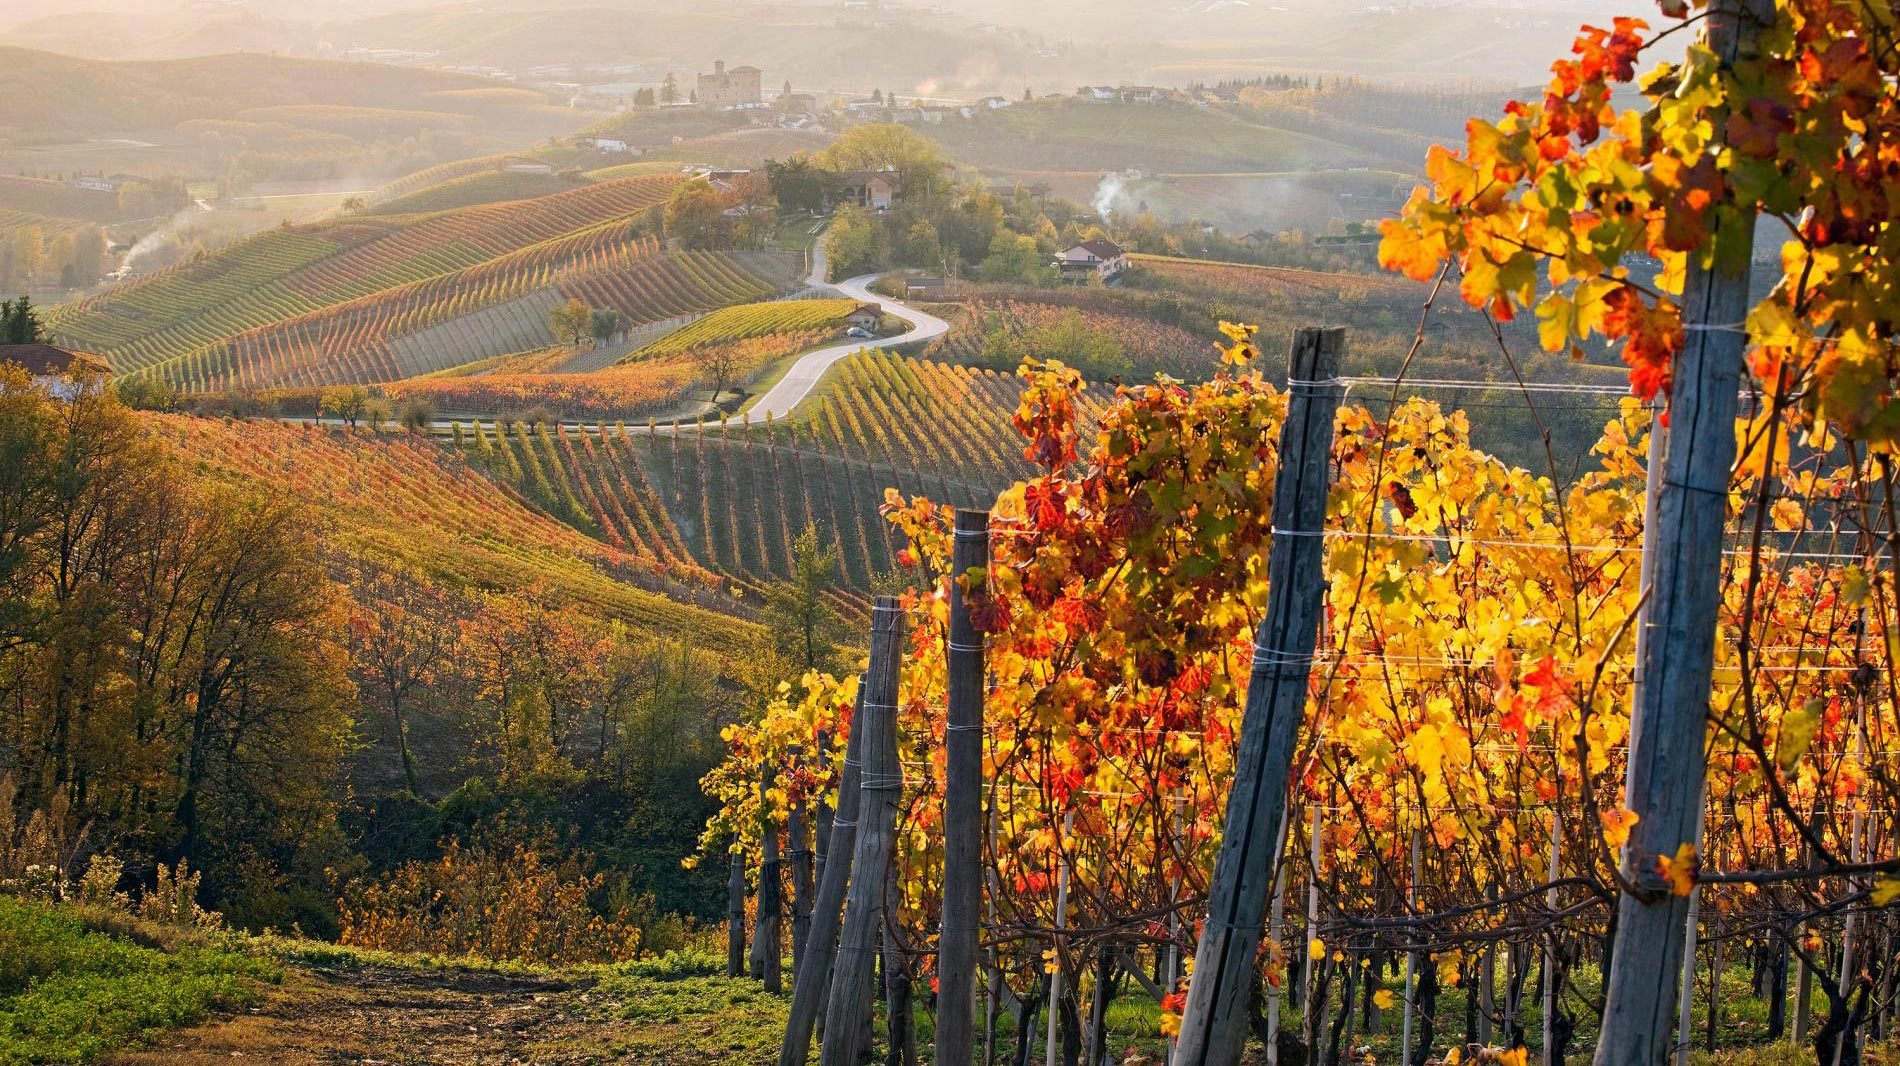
963, 47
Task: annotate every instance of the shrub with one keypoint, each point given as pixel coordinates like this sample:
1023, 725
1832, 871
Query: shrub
492, 904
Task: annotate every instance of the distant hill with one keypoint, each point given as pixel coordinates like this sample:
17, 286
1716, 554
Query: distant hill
248, 118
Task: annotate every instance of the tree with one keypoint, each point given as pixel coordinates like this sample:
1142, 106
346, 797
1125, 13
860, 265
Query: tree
854, 242
20, 323
643, 97
347, 402
719, 363
571, 322
696, 215
603, 323
805, 627
1016, 259
670, 89
918, 161
401, 634
799, 183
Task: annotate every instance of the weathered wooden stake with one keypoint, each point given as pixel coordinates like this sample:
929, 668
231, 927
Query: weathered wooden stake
813, 974
1550, 943
1214, 1024
767, 939
799, 843
735, 913
1062, 910
1411, 957
1276, 931
1312, 1017
962, 803
1673, 683
879, 788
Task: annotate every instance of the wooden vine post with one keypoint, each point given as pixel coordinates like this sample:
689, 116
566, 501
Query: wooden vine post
879, 788
962, 803
1669, 715
767, 939
813, 974
735, 912
1214, 1023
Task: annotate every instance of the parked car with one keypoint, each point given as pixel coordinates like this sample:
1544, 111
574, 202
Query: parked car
859, 332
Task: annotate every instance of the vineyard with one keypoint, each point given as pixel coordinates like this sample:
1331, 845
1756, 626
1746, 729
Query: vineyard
729, 500
56, 199
180, 315
733, 324
401, 497
494, 186
604, 395
1039, 326
416, 329
1304, 723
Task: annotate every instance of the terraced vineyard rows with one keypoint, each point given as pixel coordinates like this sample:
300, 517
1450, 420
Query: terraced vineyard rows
402, 496
1149, 345
352, 342
730, 500
752, 320
180, 314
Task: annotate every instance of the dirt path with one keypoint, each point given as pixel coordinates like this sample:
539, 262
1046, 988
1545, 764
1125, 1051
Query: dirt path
396, 1016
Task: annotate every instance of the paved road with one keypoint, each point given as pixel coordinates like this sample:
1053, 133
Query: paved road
804, 375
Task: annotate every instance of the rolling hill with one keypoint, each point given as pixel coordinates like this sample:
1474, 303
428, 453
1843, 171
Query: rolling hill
380, 298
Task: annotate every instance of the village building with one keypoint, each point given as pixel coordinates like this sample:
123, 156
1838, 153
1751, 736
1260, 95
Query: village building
735, 88
875, 189
62, 372
609, 144
925, 287
864, 316
1101, 258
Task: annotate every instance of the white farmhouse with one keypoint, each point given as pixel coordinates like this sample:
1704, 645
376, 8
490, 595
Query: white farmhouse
1103, 258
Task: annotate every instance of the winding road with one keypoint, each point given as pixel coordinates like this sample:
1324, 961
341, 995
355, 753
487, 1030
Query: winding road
805, 374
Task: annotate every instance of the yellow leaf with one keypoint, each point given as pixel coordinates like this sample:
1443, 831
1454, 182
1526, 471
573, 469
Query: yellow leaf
1798, 727
1316, 949
1787, 515
1886, 890
1680, 869
1384, 999
1617, 826
1454, 1057
1515, 1057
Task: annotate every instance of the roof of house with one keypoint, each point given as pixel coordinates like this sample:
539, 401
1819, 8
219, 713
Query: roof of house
865, 309
746, 70
44, 359
1100, 248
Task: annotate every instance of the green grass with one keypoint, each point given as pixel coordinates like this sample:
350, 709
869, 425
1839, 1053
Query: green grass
684, 1010
68, 993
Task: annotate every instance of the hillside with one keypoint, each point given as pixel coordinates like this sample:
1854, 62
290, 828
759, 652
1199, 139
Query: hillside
380, 298
245, 118
401, 497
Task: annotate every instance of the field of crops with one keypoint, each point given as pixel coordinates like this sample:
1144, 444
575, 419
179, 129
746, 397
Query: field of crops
1149, 346
402, 496
752, 320
174, 321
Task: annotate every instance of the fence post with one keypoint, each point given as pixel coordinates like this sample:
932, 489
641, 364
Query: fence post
1411, 957
1673, 683
879, 789
813, 973
962, 802
735, 912
1214, 1024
